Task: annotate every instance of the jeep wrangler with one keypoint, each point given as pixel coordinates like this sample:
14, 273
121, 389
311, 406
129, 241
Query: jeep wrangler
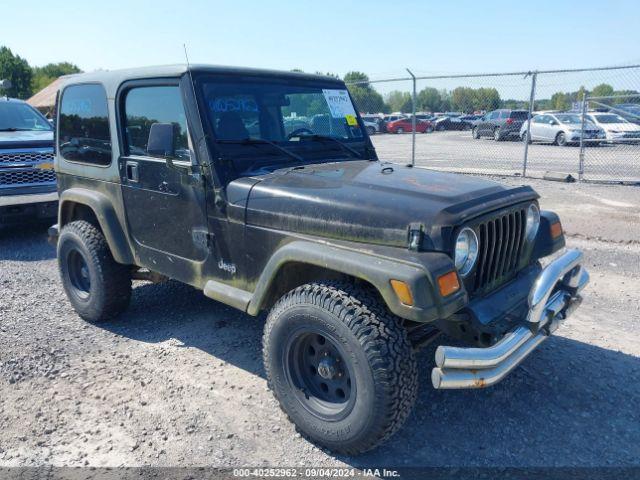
263, 190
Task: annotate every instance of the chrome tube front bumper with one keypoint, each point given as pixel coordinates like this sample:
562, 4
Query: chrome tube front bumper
553, 297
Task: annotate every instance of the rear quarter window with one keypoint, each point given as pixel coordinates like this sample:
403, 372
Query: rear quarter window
84, 134
519, 115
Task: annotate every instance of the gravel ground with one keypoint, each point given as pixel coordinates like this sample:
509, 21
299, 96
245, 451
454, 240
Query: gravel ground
178, 379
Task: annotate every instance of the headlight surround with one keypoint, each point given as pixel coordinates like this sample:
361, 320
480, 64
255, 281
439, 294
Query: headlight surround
466, 252
533, 222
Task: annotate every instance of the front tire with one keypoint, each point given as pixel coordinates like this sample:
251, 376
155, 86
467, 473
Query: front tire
400, 130
371, 131
340, 365
475, 133
561, 140
97, 286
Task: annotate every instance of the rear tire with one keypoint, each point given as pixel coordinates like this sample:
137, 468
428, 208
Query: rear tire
97, 286
371, 131
340, 365
400, 130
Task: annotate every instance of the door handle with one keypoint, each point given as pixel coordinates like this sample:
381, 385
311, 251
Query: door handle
132, 171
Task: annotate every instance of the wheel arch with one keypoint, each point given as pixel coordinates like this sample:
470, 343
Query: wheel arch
301, 261
97, 209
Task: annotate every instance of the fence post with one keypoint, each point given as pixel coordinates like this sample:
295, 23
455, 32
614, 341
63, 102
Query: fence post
582, 120
413, 119
532, 98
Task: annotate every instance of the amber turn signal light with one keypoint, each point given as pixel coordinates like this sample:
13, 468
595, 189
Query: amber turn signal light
403, 292
448, 283
556, 230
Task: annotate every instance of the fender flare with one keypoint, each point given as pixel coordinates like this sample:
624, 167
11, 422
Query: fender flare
374, 269
102, 208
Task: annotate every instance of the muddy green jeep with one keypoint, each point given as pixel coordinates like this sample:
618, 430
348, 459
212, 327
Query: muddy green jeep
263, 190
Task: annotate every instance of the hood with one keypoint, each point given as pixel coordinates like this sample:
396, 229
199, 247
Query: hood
29, 138
366, 201
621, 127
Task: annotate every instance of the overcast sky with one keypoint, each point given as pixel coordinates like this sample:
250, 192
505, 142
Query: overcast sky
380, 38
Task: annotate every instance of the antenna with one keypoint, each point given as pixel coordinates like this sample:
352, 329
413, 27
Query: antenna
184, 45
193, 88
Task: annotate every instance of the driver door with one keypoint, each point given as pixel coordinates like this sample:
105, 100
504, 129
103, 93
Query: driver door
164, 206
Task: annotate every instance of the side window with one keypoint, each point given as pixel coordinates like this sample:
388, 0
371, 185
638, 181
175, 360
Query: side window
84, 125
504, 114
494, 115
146, 106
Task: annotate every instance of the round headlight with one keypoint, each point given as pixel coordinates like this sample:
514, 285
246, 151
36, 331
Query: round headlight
533, 222
466, 251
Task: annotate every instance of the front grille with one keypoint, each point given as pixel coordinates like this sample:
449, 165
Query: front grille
26, 157
23, 177
500, 247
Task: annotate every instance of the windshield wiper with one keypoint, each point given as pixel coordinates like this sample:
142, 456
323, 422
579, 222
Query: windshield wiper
14, 129
317, 136
260, 141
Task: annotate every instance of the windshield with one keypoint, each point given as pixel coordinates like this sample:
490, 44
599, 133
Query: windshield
15, 116
572, 119
312, 120
610, 118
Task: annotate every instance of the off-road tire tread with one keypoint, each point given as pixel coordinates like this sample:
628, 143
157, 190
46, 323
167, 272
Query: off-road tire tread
115, 277
385, 344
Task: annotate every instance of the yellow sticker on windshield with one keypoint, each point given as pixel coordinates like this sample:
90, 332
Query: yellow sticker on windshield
351, 120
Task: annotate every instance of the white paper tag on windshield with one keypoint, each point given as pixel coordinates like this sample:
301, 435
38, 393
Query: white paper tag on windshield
339, 103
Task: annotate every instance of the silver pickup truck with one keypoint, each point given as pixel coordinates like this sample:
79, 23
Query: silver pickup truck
27, 179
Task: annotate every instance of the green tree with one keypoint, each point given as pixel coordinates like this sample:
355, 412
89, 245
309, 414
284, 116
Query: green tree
429, 100
399, 101
560, 101
463, 99
486, 99
602, 90
366, 98
17, 70
43, 76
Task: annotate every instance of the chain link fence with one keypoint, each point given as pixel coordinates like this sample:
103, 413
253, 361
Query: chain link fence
582, 122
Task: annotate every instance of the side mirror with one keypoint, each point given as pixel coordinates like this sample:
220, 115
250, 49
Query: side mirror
161, 140
553, 122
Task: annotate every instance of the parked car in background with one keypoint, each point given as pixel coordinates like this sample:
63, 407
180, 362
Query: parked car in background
27, 179
449, 123
616, 128
562, 129
470, 120
500, 124
372, 127
426, 117
628, 111
405, 124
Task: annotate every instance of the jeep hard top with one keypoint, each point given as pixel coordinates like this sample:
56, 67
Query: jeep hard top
27, 179
190, 174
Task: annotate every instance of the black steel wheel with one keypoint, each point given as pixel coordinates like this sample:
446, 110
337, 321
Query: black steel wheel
79, 277
318, 373
340, 365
